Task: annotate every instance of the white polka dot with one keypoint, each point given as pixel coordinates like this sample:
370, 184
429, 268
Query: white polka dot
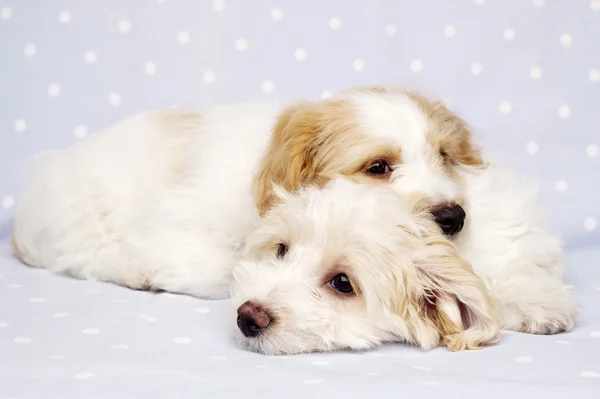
371, 353
85, 375
566, 39
595, 334
183, 37
182, 340
532, 147
218, 5
416, 65
564, 111
30, 50
358, 65
90, 57
150, 68
371, 374
119, 300
589, 374
449, 31
124, 26
563, 342
241, 45
20, 125
15, 286
5, 13
64, 17
505, 107
202, 309
92, 291
590, 223
479, 2
218, 357
3, 324
535, 72
325, 94
8, 201
80, 131
594, 75
54, 90
560, 186
539, 3
595, 5
114, 99
430, 383
267, 86
523, 359
509, 34
313, 381
390, 29
148, 318
591, 150
209, 77
276, 14
335, 23
61, 315
320, 362
476, 68
300, 54
90, 331
422, 368
37, 300
56, 357
23, 340
262, 366
121, 347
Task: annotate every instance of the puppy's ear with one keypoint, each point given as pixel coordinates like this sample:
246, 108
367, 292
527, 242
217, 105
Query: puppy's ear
288, 161
447, 302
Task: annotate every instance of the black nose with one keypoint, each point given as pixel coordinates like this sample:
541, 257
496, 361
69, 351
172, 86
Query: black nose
252, 319
451, 218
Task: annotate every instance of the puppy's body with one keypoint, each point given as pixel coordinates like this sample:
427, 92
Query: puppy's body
161, 200
164, 200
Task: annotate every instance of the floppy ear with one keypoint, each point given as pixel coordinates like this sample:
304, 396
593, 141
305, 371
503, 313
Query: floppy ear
289, 158
448, 303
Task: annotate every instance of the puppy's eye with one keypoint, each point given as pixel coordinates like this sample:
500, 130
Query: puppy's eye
282, 249
378, 168
341, 283
443, 153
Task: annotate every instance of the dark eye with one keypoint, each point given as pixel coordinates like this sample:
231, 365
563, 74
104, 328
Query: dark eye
443, 153
281, 251
379, 168
341, 283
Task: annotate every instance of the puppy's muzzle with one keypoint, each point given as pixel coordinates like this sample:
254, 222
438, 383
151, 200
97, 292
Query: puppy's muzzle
252, 319
450, 218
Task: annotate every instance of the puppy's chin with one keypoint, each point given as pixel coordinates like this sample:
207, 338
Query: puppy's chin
271, 344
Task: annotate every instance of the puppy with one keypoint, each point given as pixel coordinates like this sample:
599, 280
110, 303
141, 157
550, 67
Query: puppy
351, 267
164, 200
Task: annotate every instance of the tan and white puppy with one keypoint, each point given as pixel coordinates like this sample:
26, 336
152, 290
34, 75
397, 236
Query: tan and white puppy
165, 200
349, 266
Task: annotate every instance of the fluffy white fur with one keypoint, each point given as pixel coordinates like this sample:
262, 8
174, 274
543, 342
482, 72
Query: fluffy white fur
163, 200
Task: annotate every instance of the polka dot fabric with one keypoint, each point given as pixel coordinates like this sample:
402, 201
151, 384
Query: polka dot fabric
524, 73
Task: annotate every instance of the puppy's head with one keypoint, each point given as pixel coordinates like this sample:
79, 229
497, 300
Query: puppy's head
374, 136
349, 266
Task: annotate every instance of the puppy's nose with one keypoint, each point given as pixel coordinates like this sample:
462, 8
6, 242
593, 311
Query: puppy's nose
252, 319
451, 218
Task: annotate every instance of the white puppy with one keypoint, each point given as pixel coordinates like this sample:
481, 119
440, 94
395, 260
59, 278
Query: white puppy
165, 200
349, 266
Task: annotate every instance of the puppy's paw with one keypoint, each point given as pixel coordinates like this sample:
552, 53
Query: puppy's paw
549, 324
470, 340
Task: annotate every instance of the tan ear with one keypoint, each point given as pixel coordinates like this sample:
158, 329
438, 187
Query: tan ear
449, 301
289, 158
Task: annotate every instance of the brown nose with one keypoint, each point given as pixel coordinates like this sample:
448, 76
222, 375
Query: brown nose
451, 218
252, 319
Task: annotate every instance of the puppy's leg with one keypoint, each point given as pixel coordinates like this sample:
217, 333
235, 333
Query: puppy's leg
537, 304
